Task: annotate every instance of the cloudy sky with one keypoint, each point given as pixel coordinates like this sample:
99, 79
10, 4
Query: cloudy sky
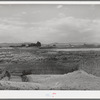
49, 23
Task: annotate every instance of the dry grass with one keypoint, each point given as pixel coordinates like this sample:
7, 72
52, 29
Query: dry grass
41, 61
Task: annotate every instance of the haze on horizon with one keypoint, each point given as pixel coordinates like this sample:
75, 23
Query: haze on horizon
49, 23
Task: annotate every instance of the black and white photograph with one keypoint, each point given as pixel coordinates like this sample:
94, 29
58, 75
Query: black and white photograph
49, 46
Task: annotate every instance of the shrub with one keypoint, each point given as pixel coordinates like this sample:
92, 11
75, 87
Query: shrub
26, 72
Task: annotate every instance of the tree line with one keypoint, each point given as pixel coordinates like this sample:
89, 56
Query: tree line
38, 44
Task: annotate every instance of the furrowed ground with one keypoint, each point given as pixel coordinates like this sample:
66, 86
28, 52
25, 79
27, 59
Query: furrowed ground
42, 61
48, 69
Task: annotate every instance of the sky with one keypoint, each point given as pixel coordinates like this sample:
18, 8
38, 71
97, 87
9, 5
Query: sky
49, 23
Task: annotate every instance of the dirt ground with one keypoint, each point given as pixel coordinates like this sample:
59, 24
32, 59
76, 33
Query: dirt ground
77, 80
50, 69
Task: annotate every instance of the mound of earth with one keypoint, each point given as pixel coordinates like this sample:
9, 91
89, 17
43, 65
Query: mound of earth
77, 80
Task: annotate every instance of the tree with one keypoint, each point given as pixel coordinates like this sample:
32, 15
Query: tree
23, 45
31, 45
38, 44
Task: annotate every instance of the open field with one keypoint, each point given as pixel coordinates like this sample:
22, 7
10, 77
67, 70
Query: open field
45, 64
41, 61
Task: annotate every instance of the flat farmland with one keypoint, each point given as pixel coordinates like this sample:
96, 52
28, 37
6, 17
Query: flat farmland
47, 61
